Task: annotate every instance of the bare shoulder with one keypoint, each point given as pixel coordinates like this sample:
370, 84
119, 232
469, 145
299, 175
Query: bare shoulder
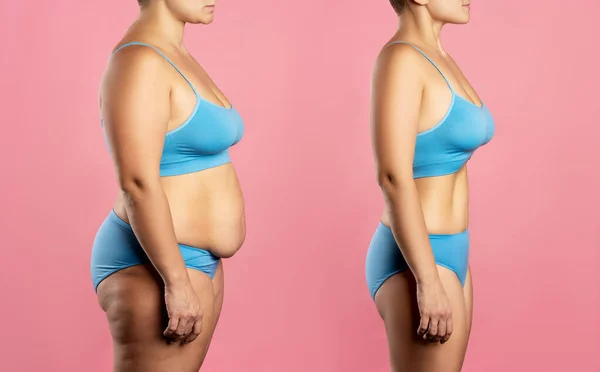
399, 58
135, 64
135, 88
136, 56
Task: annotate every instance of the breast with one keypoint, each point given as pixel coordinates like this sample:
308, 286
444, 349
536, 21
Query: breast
202, 142
451, 144
210, 131
469, 127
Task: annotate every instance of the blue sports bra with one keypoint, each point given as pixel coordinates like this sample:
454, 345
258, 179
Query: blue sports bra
204, 139
446, 147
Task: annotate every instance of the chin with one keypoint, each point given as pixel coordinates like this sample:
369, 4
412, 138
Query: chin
203, 20
462, 20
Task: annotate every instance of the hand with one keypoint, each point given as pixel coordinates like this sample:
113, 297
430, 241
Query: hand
436, 314
185, 315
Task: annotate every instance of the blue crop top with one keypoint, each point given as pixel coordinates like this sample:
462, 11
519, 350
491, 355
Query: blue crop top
204, 139
446, 147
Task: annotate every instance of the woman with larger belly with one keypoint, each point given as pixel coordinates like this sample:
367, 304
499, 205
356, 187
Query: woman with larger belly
156, 260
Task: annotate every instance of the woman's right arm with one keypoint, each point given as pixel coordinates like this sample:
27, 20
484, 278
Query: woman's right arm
396, 93
135, 98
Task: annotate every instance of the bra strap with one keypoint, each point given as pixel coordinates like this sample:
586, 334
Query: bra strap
163, 55
426, 56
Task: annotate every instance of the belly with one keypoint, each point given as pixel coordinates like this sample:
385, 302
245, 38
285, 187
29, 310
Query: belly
207, 209
444, 201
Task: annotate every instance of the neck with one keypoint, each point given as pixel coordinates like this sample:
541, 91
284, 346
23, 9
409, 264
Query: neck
157, 20
417, 24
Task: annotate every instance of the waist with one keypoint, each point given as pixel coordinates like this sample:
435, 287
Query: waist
207, 209
444, 202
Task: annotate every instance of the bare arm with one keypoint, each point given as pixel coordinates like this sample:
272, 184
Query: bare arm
396, 103
136, 110
397, 89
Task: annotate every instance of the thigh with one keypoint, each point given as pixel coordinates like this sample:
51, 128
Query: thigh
397, 305
468, 293
218, 283
218, 290
133, 300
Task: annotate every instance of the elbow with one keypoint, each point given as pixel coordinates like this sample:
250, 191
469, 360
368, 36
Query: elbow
390, 182
385, 179
133, 186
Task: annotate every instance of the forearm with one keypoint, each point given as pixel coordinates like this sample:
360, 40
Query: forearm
409, 229
150, 217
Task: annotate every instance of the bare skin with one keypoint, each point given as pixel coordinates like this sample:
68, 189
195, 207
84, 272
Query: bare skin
426, 311
162, 316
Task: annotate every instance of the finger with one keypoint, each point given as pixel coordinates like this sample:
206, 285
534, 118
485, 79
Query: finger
196, 331
434, 338
429, 338
433, 329
171, 327
449, 330
184, 329
442, 328
423, 326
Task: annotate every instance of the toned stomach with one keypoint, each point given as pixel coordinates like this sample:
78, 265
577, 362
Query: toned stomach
207, 209
444, 201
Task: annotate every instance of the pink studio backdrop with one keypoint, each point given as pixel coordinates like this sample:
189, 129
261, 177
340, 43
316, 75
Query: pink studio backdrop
296, 298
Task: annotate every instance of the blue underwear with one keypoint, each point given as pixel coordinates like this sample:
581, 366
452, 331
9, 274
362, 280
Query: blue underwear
116, 247
385, 259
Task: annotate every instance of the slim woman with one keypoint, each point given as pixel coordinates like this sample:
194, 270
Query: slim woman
156, 260
426, 123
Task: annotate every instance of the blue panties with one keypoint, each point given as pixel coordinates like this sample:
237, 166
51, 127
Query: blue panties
116, 247
385, 259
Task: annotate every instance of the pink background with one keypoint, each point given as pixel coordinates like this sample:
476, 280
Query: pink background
296, 298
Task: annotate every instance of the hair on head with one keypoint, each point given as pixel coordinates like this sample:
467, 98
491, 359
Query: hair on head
398, 5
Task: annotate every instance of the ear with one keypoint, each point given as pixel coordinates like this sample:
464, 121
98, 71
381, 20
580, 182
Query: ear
421, 2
